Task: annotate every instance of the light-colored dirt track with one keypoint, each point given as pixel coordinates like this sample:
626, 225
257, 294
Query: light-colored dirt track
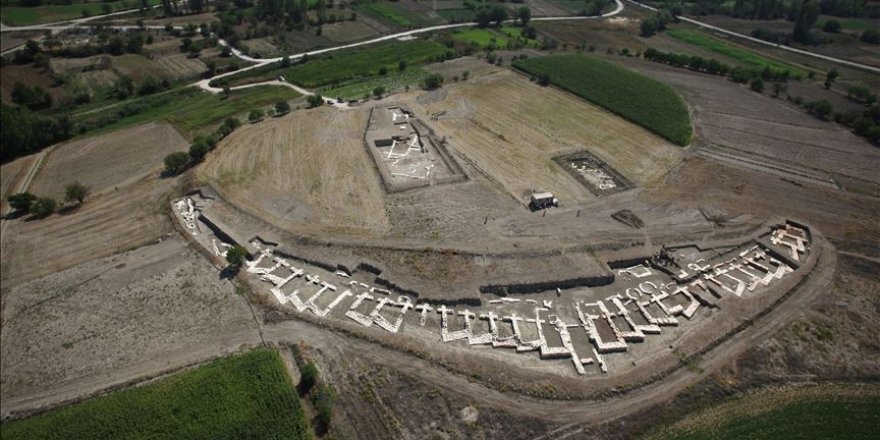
308, 169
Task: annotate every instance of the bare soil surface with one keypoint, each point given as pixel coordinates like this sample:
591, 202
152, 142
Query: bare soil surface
108, 161
115, 319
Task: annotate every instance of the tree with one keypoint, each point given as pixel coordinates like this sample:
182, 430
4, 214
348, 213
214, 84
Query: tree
176, 162
315, 101
198, 150
285, 62
757, 85
21, 202
43, 207
433, 81
235, 255
76, 191
831, 77
256, 116
820, 109
378, 92
807, 16
778, 88
524, 14
308, 377
401, 66
832, 27
649, 27
282, 107
871, 36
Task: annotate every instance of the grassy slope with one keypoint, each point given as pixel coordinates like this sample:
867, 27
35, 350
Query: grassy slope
243, 396
339, 67
637, 98
829, 417
190, 110
746, 57
21, 16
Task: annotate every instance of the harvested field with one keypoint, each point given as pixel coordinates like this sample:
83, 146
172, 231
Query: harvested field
345, 31
11, 175
513, 137
758, 126
179, 65
115, 319
104, 225
108, 161
137, 67
309, 169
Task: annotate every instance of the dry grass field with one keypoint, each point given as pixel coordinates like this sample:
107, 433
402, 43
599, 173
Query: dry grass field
309, 169
125, 209
115, 319
10, 175
108, 161
511, 129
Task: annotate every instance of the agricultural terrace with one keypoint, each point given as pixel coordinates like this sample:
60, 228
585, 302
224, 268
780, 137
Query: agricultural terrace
337, 67
635, 97
814, 413
243, 396
27, 15
189, 110
744, 56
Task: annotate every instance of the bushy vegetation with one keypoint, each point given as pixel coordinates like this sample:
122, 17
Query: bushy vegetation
746, 57
25, 131
635, 97
242, 396
813, 420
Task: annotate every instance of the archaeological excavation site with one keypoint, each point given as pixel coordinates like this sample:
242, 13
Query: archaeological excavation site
528, 220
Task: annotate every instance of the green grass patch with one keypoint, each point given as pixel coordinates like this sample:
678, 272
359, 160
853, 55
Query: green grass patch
744, 56
340, 67
480, 37
393, 14
188, 109
243, 396
21, 16
393, 81
814, 420
635, 97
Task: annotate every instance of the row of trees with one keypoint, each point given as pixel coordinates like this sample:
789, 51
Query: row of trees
715, 67
176, 163
40, 207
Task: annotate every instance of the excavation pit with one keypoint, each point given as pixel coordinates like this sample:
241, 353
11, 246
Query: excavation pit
592, 172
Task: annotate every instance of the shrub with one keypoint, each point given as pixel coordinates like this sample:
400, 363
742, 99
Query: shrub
21, 202
175, 163
76, 191
43, 207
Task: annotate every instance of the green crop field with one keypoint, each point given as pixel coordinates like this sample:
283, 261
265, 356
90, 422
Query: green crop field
340, 67
188, 109
243, 396
808, 420
635, 97
21, 16
744, 56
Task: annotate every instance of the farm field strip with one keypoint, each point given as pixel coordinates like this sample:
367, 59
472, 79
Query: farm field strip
747, 57
243, 396
630, 95
21, 16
